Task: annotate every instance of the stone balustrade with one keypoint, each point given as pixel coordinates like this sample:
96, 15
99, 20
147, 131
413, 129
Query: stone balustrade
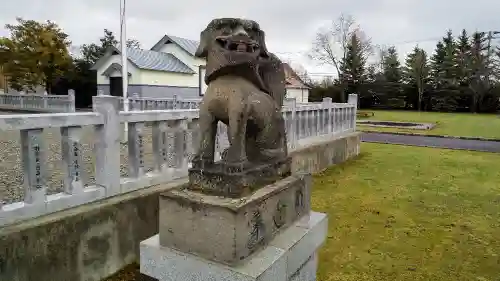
138, 103
173, 133
38, 103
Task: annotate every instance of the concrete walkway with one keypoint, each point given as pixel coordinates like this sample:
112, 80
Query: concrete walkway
451, 143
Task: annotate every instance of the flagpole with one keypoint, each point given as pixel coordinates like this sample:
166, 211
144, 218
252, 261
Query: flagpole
123, 45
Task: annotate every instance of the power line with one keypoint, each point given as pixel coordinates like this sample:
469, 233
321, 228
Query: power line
413, 41
321, 74
491, 36
389, 44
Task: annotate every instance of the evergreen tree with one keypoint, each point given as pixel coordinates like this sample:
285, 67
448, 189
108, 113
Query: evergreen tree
478, 68
133, 43
391, 66
462, 70
448, 75
444, 73
496, 65
437, 65
374, 90
392, 73
352, 67
462, 59
93, 52
372, 74
417, 73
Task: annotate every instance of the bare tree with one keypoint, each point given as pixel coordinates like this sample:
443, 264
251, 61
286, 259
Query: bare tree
381, 54
496, 64
300, 71
331, 42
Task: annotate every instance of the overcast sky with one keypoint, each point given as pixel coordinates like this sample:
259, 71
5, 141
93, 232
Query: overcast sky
290, 25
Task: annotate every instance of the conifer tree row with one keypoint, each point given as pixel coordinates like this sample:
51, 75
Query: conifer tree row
461, 74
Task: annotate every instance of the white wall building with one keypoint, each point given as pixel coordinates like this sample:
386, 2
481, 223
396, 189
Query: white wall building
295, 87
168, 68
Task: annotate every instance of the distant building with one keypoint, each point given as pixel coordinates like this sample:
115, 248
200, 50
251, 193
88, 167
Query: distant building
168, 68
295, 87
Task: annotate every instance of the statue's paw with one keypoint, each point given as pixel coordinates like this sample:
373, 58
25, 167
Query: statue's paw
202, 159
235, 160
223, 155
272, 153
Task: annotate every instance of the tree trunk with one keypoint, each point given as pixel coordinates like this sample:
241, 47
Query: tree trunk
420, 94
473, 107
47, 87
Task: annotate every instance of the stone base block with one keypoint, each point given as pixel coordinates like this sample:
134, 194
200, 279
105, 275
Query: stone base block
290, 256
229, 230
223, 179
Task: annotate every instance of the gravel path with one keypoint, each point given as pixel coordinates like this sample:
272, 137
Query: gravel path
452, 143
11, 175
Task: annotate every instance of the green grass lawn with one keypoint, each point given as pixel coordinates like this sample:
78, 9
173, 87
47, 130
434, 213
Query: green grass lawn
407, 213
410, 213
450, 124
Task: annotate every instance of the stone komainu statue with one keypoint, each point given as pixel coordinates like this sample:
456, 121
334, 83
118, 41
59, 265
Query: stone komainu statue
246, 88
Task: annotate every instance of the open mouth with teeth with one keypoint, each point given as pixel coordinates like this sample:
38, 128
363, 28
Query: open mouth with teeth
242, 46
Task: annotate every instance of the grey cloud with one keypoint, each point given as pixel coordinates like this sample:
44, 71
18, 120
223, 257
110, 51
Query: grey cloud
290, 25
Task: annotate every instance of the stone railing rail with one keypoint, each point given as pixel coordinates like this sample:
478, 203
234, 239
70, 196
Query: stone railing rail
174, 135
38, 102
146, 103
140, 103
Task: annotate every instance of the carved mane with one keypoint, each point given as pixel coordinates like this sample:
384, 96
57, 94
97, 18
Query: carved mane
265, 70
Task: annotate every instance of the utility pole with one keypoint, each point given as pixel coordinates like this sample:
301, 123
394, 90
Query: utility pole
123, 45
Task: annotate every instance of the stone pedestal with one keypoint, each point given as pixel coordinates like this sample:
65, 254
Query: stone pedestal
233, 180
270, 234
228, 230
290, 256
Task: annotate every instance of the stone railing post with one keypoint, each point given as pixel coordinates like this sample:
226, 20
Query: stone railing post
72, 101
136, 149
177, 163
294, 128
135, 139
159, 134
107, 146
327, 105
174, 103
135, 103
72, 159
33, 159
192, 139
180, 102
353, 99
45, 102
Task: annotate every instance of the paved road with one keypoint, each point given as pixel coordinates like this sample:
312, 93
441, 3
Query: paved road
478, 145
